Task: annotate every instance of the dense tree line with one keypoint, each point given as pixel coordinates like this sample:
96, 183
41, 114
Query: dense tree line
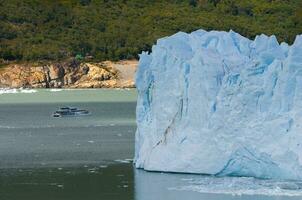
120, 29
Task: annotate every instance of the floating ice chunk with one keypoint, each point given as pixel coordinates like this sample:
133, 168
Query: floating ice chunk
28, 91
123, 161
15, 91
242, 186
8, 91
55, 90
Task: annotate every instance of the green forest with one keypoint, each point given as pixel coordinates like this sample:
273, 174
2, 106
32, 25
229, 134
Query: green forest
33, 30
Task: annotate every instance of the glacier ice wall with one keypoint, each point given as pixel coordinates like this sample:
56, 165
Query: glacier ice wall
219, 103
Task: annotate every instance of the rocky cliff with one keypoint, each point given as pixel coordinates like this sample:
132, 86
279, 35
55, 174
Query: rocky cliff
69, 74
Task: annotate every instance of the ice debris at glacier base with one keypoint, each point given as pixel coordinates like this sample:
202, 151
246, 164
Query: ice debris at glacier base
219, 103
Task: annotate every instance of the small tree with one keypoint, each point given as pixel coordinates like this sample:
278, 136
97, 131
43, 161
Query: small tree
215, 2
85, 2
193, 3
79, 57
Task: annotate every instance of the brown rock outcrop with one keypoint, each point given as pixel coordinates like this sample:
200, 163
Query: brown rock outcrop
70, 74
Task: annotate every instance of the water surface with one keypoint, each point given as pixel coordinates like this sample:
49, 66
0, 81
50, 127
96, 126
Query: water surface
90, 158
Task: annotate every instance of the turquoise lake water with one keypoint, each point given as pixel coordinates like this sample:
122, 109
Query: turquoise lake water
90, 158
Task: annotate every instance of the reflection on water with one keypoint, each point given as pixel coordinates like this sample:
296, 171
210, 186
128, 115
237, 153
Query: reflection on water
119, 180
111, 182
46, 158
31, 137
89, 158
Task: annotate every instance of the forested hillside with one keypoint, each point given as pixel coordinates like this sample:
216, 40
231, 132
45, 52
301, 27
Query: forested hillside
120, 29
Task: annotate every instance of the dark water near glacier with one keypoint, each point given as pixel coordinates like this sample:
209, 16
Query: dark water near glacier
90, 158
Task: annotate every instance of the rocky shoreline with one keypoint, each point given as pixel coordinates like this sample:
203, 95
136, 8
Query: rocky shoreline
69, 74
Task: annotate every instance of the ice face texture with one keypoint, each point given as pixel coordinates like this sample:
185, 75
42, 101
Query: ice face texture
219, 103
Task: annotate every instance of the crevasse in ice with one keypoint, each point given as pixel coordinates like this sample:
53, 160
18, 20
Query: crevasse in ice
219, 103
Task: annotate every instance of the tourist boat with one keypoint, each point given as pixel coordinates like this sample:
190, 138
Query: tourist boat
70, 112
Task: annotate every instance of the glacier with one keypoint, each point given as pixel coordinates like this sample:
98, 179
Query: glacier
221, 104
